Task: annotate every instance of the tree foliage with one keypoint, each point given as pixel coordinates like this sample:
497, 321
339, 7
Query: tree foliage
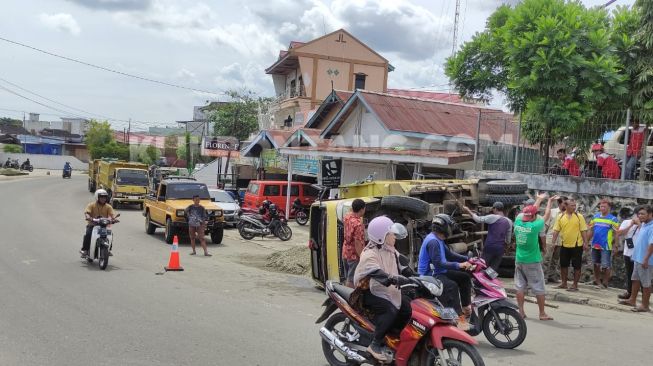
12, 149
643, 90
238, 117
554, 60
6, 121
145, 154
101, 142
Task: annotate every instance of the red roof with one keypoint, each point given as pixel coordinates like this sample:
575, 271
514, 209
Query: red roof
279, 136
434, 117
446, 97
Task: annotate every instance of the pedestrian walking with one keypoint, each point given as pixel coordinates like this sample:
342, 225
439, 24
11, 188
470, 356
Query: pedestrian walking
602, 230
572, 230
643, 258
354, 240
634, 149
552, 255
628, 230
196, 215
530, 243
499, 234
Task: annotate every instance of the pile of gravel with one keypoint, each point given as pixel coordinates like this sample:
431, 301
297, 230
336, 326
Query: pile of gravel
294, 261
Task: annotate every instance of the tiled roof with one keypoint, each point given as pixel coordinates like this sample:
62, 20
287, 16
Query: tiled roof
446, 97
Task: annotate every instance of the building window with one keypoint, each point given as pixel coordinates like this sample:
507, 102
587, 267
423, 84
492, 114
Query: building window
360, 81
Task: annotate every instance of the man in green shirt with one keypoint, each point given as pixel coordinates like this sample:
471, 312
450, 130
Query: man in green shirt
530, 243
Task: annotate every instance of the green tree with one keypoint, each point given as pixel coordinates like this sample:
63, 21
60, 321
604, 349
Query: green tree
553, 60
12, 149
101, 142
145, 154
10, 122
238, 117
643, 93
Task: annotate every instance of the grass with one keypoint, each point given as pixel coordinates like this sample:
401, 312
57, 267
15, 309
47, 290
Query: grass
11, 172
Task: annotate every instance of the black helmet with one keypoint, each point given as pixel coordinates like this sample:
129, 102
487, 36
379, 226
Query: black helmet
443, 224
265, 204
272, 207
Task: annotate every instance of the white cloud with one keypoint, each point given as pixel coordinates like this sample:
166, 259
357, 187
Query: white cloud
249, 76
61, 21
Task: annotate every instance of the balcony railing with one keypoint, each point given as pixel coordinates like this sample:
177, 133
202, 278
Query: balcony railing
291, 93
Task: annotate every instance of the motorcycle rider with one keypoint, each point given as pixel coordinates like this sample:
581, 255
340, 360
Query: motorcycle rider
67, 167
99, 208
377, 270
8, 163
436, 259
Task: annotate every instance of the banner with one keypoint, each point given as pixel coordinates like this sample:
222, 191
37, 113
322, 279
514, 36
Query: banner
331, 173
305, 165
220, 147
272, 160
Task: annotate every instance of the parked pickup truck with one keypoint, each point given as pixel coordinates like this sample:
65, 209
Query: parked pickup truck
165, 208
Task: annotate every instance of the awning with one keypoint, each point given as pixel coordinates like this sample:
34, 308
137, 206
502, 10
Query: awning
430, 157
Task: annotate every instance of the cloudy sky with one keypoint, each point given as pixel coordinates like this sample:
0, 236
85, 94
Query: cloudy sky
207, 45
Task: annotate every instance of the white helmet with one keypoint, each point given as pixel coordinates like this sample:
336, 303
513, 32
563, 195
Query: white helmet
101, 192
399, 230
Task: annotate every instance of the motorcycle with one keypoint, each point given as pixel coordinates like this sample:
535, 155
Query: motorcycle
101, 241
11, 164
26, 166
492, 312
430, 337
300, 212
67, 173
252, 225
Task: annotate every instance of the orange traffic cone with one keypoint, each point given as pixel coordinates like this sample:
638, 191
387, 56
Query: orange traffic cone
173, 264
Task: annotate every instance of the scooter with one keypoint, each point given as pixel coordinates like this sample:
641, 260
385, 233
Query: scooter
492, 312
26, 166
12, 164
101, 241
430, 337
67, 173
252, 225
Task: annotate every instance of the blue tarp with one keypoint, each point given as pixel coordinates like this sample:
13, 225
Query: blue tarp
45, 149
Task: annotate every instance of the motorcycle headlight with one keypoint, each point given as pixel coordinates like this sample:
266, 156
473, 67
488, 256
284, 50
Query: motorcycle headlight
218, 213
433, 288
180, 213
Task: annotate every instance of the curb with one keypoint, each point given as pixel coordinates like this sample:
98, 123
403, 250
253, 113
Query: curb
561, 297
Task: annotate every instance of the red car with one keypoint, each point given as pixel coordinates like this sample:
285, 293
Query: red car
275, 191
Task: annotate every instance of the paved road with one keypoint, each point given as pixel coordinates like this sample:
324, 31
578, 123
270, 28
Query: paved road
223, 310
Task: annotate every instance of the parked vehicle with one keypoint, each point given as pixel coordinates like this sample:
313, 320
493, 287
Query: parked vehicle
276, 192
26, 165
272, 223
430, 337
11, 164
126, 182
300, 212
229, 206
165, 208
492, 313
101, 241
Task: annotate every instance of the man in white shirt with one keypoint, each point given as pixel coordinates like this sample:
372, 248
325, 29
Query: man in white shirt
627, 234
552, 256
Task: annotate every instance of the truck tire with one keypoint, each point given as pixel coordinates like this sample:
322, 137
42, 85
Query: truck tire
149, 226
506, 199
90, 186
506, 187
404, 203
216, 235
169, 231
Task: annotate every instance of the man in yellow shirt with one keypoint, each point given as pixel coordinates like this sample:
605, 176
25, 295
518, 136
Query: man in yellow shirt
572, 229
99, 208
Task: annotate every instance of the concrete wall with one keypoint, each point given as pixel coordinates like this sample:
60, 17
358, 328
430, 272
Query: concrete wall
54, 162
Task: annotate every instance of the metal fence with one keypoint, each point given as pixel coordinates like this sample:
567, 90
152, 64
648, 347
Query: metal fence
598, 148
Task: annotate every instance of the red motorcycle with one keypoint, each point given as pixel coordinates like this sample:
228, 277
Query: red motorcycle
430, 338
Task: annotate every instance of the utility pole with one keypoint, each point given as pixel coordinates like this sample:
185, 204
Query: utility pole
188, 157
455, 28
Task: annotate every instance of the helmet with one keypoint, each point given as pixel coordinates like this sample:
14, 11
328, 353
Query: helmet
378, 228
101, 193
399, 230
265, 204
272, 207
443, 224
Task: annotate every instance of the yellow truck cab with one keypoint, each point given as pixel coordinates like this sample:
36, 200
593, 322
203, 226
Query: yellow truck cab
165, 208
126, 182
412, 203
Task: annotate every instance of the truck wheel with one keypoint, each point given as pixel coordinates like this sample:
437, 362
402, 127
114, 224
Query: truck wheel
169, 231
411, 204
149, 226
506, 199
90, 186
216, 235
506, 187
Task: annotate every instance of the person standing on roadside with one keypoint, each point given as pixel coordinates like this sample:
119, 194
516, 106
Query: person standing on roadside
572, 229
628, 231
634, 149
602, 229
499, 234
529, 244
354, 240
552, 256
196, 215
643, 258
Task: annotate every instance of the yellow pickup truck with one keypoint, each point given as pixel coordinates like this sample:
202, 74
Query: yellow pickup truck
126, 182
165, 208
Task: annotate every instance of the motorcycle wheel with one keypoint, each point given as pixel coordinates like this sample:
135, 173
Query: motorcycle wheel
103, 261
301, 218
512, 323
31, 168
284, 232
246, 235
338, 323
455, 353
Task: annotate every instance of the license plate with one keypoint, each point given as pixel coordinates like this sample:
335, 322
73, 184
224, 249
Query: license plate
491, 273
134, 197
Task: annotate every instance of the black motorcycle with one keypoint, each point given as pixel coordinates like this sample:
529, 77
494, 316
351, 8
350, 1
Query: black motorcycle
300, 212
11, 164
26, 166
67, 172
252, 225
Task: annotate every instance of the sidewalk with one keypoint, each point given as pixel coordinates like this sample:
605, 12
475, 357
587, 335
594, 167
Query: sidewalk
586, 295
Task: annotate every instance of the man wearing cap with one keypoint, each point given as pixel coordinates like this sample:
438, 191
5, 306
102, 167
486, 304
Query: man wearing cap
609, 166
529, 244
498, 234
572, 229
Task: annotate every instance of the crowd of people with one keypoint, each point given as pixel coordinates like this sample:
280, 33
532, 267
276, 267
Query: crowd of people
559, 237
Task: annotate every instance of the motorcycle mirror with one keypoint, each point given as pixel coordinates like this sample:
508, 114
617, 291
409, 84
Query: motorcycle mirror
117, 216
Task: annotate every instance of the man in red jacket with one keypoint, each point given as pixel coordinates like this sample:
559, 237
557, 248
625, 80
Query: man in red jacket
634, 150
609, 167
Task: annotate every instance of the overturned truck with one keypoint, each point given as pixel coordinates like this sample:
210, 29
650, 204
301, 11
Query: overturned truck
412, 203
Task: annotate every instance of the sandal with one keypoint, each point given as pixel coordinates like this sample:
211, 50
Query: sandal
626, 302
193, 253
208, 255
640, 310
573, 289
562, 287
545, 318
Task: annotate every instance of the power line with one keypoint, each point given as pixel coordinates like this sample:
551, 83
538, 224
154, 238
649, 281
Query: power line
39, 103
108, 69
